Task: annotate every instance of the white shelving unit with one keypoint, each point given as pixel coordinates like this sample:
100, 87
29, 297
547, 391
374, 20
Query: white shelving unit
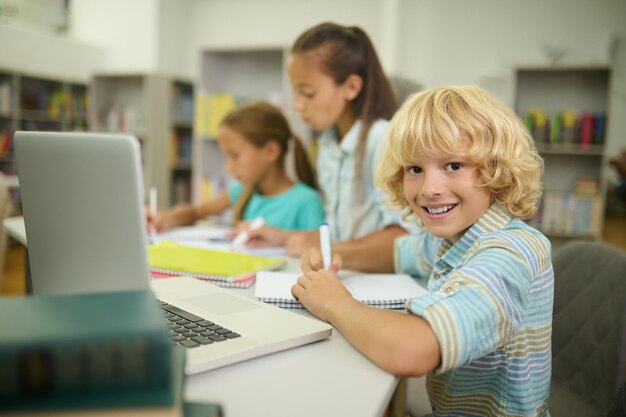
36, 102
150, 106
581, 90
244, 74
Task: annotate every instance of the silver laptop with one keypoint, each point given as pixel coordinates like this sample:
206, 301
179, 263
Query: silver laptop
84, 217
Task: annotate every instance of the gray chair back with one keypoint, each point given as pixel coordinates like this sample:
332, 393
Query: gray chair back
589, 328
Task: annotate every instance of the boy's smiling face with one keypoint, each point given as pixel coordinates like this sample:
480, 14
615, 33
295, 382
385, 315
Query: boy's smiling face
446, 193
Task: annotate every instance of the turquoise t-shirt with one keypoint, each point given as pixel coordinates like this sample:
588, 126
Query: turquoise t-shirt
298, 208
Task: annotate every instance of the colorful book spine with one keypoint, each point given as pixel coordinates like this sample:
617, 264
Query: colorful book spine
566, 127
569, 126
586, 129
541, 127
555, 128
599, 128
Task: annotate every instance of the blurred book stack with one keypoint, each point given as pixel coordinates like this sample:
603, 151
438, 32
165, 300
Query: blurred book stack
571, 213
104, 354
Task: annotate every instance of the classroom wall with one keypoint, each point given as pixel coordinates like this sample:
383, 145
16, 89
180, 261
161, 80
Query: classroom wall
127, 30
481, 42
438, 42
248, 23
433, 42
48, 55
455, 41
173, 36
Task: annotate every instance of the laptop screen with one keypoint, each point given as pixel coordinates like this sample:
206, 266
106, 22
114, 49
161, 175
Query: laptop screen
82, 198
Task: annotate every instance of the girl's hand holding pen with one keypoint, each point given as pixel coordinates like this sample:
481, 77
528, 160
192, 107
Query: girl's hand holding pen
267, 237
159, 221
151, 218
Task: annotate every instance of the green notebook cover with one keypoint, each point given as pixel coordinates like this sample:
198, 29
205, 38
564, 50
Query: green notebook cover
170, 257
84, 350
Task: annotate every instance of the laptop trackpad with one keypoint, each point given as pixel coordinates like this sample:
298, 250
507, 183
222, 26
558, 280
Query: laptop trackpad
221, 303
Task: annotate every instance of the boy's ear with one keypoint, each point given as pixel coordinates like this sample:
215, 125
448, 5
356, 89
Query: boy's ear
352, 86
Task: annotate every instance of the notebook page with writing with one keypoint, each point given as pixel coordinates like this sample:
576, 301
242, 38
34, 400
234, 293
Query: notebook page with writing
379, 290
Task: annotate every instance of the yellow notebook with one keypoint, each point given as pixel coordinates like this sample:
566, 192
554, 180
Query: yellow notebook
171, 258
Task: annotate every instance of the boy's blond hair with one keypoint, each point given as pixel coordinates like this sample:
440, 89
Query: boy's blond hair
465, 119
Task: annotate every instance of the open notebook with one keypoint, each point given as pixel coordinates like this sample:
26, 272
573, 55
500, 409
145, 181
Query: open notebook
379, 290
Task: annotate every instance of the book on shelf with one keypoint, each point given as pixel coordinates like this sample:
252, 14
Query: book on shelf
182, 108
210, 109
180, 149
84, 351
586, 186
586, 129
569, 213
389, 291
6, 142
168, 257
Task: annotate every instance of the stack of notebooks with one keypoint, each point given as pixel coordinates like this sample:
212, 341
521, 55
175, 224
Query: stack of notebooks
226, 269
389, 291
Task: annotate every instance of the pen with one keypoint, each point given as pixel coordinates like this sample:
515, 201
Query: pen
153, 212
244, 235
325, 245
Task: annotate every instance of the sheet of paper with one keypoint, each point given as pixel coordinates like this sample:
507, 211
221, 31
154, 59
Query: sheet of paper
364, 287
195, 233
209, 237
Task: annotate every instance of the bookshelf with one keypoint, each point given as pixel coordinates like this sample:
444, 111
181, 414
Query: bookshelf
181, 134
158, 110
36, 102
567, 111
230, 77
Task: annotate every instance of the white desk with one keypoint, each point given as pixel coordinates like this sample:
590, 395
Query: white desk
326, 378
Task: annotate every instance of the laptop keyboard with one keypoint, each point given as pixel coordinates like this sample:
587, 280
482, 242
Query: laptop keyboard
189, 330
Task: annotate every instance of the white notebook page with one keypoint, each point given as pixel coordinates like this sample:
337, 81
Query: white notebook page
376, 288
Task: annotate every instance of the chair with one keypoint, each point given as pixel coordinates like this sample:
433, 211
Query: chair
589, 329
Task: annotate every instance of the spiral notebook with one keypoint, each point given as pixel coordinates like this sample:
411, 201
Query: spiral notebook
229, 268
389, 291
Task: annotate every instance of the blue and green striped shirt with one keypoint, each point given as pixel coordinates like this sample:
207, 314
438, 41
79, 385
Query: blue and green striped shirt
490, 306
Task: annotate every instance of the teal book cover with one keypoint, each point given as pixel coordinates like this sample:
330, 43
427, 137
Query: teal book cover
84, 350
